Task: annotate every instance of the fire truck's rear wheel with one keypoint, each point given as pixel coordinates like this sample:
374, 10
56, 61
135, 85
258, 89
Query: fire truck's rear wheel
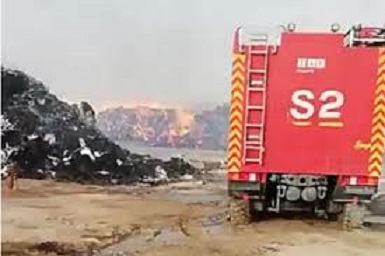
353, 216
239, 211
377, 205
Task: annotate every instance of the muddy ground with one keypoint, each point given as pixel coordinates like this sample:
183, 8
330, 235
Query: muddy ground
179, 219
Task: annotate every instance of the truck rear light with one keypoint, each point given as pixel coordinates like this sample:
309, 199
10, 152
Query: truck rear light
353, 181
242, 176
233, 175
357, 181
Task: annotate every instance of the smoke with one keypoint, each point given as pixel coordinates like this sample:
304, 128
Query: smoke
173, 52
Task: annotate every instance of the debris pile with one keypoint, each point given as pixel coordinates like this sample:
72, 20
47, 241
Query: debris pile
47, 137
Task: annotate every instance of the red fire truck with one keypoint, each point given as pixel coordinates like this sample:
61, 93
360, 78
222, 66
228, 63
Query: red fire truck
307, 121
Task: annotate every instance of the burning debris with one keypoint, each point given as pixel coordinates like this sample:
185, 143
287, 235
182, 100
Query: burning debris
47, 137
167, 127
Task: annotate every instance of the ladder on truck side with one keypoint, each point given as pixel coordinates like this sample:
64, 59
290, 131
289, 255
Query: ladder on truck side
255, 101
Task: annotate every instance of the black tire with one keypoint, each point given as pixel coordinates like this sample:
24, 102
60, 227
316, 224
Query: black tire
334, 216
377, 205
239, 211
256, 214
334, 211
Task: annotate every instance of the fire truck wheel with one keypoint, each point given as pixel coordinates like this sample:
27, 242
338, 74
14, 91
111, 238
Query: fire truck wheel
353, 216
334, 217
377, 205
335, 211
239, 212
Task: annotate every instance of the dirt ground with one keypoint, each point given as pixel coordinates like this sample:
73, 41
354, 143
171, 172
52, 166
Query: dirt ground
180, 219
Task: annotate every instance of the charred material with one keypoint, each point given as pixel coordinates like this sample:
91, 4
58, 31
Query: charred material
169, 127
47, 137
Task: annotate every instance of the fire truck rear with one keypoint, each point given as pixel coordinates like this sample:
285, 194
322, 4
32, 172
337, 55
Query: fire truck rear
307, 122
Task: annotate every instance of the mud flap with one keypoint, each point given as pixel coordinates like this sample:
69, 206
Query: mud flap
353, 216
239, 211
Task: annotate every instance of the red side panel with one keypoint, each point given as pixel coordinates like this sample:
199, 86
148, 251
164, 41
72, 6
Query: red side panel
320, 98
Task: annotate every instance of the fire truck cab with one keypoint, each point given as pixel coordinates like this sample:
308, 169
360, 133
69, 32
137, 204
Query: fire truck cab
307, 122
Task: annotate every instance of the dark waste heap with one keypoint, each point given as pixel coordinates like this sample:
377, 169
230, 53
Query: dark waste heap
47, 137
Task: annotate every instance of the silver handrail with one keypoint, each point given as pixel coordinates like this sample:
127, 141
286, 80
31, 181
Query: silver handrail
351, 38
259, 37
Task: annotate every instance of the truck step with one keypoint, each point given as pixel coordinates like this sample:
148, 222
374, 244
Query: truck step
254, 125
255, 107
259, 52
254, 142
258, 71
254, 147
253, 160
257, 89
253, 137
257, 82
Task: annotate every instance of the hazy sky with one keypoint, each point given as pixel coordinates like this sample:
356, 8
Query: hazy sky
171, 51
